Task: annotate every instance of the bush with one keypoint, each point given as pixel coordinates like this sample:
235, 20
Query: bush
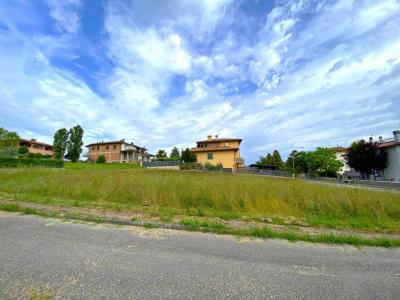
210, 167
23, 150
190, 166
101, 159
10, 162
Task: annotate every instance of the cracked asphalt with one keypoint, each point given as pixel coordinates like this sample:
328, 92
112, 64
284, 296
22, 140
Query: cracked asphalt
83, 261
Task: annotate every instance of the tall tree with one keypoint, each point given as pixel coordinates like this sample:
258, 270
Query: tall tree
60, 143
265, 160
161, 155
188, 156
366, 157
276, 160
75, 143
175, 155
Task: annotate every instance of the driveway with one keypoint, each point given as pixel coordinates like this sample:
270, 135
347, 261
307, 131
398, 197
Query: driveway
49, 257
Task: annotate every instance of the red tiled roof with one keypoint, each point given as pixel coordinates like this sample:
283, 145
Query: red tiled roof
35, 142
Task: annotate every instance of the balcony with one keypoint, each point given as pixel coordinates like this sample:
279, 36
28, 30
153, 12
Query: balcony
239, 161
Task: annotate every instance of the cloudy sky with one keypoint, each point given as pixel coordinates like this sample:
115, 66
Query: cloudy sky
279, 74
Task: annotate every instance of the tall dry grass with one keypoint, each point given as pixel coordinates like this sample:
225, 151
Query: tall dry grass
222, 195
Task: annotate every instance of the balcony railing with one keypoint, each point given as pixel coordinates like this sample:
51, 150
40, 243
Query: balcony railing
240, 161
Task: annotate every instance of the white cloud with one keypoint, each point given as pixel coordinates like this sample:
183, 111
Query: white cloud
66, 14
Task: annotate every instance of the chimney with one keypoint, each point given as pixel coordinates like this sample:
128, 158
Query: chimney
33, 140
380, 139
216, 136
209, 137
396, 135
371, 139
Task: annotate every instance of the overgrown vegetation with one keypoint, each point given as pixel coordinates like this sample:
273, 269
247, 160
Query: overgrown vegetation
11, 162
120, 186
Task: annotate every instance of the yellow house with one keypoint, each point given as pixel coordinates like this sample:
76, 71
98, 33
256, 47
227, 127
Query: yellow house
216, 150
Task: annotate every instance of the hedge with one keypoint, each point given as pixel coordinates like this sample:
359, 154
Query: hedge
11, 162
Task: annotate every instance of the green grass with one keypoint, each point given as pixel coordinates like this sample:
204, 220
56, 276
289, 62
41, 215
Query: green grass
220, 228
94, 166
226, 196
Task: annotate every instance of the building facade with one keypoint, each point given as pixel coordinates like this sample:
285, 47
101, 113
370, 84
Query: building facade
341, 156
118, 151
36, 147
216, 150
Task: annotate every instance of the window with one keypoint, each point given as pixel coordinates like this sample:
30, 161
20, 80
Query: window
114, 146
98, 147
93, 148
107, 147
36, 146
210, 156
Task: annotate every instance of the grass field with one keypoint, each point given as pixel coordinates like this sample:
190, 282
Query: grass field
123, 187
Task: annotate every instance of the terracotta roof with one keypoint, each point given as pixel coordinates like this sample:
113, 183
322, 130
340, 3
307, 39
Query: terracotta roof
220, 140
107, 143
212, 149
387, 144
339, 149
35, 142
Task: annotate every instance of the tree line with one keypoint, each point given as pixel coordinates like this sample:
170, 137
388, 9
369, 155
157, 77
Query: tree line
185, 155
365, 157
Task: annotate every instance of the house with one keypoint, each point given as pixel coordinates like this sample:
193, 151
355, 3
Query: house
118, 151
36, 147
219, 150
392, 148
341, 156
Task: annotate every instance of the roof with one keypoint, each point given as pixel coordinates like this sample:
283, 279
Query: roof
107, 143
220, 140
34, 142
339, 149
212, 149
388, 144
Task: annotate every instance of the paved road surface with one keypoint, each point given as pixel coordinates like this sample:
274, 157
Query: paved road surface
80, 261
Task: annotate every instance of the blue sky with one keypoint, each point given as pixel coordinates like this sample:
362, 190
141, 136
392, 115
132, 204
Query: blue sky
279, 74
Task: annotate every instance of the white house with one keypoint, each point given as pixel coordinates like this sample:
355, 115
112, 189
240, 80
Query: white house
391, 146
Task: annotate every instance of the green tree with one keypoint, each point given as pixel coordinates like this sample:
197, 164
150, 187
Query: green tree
265, 160
75, 143
276, 160
101, 159
366, 157
188, 156
23, 150
291, 162
175, 155
60, 143
323, 162
161, 155
9, 142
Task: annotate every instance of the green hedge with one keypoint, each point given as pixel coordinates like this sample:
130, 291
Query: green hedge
11, 162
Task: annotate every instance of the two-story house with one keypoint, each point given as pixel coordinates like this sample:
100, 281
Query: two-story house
219, 150
118, 151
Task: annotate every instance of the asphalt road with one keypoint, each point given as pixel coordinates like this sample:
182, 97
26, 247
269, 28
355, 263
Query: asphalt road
81, 261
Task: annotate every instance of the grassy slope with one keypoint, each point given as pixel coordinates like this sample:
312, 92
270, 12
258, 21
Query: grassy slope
223, 195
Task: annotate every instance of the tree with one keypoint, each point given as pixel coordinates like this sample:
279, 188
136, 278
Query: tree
9, 142
101, 159
60, 143
366, 157
75, 143
266, 160
188, 156
175, 155
161, 155
323, 162
276, 160
23, 150
291, 162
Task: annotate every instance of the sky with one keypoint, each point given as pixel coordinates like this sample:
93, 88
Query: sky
279, 74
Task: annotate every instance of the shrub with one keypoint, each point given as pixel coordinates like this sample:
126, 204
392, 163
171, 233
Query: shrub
210, 167
23, 150
190, 166
10, 162
101, 159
